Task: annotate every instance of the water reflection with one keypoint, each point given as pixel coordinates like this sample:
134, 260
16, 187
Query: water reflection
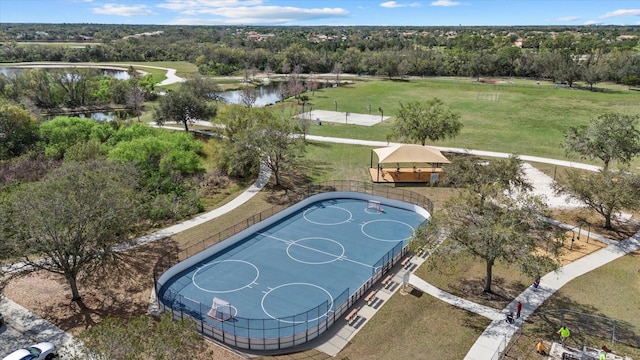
265, 95
13, 71
98, 115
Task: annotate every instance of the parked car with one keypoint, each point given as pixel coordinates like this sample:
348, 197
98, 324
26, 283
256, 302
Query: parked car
39, 351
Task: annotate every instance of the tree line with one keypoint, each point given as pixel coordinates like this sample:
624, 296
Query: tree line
589, 54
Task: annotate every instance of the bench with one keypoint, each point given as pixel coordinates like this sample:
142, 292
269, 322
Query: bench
370, 296
405, 261
351, 314
387, 279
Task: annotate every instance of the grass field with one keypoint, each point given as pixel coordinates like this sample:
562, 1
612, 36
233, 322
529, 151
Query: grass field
526, 119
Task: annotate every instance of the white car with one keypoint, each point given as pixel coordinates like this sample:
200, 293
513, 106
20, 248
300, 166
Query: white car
39, 351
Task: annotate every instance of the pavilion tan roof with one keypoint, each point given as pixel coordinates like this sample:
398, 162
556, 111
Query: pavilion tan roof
410, 153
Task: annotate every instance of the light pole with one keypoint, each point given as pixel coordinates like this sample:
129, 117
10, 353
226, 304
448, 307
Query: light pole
345, 117
381, 113
335, 102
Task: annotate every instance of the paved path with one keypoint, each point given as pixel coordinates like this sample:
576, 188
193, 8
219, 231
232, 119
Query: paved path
24, 328
172, 78
498, 334
492, 340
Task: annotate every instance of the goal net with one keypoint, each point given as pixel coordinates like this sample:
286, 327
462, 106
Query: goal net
220, 310
374, 205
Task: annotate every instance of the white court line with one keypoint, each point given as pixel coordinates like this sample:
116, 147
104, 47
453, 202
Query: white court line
289, 242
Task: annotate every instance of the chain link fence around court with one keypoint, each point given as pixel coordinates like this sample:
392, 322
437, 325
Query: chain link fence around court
274, 334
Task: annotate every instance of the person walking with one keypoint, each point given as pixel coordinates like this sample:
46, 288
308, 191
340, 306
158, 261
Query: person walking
564, 334
536, 283
518, 309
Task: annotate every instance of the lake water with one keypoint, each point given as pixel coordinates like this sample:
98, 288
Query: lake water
11, 71
265, 95
99, 115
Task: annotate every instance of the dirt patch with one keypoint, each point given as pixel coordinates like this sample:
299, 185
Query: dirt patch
592, 221
124, 293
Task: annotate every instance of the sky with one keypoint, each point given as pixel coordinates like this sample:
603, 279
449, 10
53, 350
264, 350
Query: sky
324, 12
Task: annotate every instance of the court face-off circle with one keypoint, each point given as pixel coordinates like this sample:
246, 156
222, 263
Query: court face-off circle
213, 284
381, 227
320, 215
305, 290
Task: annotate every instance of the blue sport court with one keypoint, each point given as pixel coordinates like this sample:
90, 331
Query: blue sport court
287, 277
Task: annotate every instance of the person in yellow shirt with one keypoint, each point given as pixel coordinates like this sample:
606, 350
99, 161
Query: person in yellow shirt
564, 334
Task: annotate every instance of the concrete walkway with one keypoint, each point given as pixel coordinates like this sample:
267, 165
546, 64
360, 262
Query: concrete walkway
24, 328
488, 345
498, 334
35, 329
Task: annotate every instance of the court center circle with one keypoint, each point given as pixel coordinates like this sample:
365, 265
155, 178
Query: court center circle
380, 228
315, 252
326, 212
222, 284
308, 293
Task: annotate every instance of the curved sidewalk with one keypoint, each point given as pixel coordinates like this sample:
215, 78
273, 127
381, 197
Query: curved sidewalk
35, 328
498, 334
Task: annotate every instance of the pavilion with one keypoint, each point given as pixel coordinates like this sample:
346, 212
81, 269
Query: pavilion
407, 163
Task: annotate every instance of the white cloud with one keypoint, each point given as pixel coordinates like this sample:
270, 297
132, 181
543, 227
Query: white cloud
445, 3
238, 12
199, 4
568, 18
393, 4
592, 22
621, 13
123, 10
390, 4
259, 15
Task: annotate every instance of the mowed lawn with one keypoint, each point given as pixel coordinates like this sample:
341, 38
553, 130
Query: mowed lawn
525, 119
420, 327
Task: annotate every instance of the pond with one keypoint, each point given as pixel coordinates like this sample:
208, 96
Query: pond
12, 71
98, 115
265, 95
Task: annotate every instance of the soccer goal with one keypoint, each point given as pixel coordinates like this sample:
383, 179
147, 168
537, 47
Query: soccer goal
374, 205
220, 310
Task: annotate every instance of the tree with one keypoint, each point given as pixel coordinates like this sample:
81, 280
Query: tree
69, 222
143, 337
422, 121
494, 218
258, 136
248, 96
135, 96
606, 192
504, 229
337, 69
487, 178
182, 106
189, 103
18, 130
272, 140
610, 137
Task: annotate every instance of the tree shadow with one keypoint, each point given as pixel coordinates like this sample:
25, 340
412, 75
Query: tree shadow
121, 290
